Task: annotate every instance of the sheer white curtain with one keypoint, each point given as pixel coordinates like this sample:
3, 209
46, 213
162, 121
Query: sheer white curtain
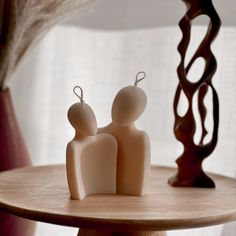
102, 62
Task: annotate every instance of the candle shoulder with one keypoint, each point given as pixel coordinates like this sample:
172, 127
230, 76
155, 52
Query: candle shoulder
106, 129
106, 137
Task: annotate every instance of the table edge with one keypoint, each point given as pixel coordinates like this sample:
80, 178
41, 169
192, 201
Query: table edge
101, 223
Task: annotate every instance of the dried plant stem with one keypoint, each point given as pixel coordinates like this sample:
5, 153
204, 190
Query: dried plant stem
23, 22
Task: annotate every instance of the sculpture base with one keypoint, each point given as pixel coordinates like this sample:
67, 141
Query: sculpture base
91, 232
196, 181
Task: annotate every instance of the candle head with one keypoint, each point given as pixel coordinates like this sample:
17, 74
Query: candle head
82, 118
128, 105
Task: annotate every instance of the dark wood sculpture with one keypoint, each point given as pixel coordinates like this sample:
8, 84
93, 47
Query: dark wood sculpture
190, 172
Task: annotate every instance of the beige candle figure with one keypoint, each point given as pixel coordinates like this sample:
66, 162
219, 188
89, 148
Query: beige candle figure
133, 161
91, 158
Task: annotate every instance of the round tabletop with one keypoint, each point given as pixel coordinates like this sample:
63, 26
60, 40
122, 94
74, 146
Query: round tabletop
41, 193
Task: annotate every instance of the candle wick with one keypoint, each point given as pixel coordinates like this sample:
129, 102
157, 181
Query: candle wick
81, 96
138, 78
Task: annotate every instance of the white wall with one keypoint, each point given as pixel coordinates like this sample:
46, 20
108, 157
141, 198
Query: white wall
129, 14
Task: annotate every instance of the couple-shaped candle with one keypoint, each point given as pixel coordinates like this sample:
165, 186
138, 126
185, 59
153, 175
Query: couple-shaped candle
112, 159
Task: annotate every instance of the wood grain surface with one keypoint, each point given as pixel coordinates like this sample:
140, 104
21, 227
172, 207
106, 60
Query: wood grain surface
41, 193
84, 232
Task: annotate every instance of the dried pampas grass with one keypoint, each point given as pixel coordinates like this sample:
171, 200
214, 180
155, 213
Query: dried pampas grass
23, 22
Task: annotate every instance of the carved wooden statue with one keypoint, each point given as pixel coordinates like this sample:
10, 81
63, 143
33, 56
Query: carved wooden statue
190, 172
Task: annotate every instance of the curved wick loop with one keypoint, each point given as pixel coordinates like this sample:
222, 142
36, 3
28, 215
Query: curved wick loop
81, 96
137, 80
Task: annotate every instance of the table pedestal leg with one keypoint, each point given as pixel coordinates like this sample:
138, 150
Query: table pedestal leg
90, 232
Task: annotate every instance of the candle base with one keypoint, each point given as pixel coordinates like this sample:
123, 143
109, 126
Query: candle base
191, 174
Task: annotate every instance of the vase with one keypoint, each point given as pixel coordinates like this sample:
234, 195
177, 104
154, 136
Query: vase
13, 154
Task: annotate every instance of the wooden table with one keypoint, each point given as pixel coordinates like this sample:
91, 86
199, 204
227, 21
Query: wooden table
41, 194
